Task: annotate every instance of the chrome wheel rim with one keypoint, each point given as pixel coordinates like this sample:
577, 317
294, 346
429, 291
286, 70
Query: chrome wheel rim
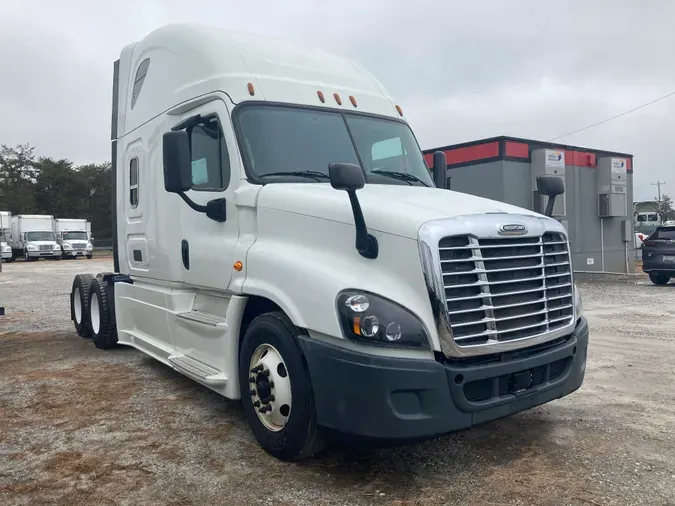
95, 314
77, 306
270, 387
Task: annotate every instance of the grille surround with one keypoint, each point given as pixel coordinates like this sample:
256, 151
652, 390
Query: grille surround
496, 292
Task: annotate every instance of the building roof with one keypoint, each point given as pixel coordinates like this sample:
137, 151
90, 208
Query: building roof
517, 149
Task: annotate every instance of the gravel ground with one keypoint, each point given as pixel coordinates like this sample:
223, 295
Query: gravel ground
83, 426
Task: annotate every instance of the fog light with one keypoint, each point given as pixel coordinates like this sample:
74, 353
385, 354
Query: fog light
370, 326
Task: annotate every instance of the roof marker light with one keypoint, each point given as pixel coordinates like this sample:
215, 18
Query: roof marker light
321, 97
251, 89
337, 98
400, 111
352, 100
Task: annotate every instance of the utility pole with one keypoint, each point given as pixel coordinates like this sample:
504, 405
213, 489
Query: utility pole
658, 185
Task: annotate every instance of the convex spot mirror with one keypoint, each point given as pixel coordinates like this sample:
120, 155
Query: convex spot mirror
551, 186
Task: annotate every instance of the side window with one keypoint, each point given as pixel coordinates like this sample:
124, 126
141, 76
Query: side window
138, 81
133, 183
210, 159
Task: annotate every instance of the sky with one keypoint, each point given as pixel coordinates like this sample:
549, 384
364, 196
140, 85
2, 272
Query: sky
460, 70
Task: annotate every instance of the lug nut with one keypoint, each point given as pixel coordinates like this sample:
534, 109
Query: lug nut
251, 379
266, 372
271, 398
252, 392
271, 384
256, 404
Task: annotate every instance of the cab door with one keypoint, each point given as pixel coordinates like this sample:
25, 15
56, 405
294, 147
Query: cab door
207, 246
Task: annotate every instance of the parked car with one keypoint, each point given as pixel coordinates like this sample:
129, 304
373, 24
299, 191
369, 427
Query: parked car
658, 255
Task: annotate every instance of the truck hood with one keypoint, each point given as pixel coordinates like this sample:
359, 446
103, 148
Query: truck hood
41, 243
393, 209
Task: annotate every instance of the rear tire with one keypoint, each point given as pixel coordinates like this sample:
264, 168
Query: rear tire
273, 334
79, 303
659, 279
101, 322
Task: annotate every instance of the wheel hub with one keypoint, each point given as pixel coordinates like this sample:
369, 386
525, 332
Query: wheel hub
270, 387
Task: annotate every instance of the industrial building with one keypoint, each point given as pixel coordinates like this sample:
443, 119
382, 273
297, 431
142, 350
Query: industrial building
596, 208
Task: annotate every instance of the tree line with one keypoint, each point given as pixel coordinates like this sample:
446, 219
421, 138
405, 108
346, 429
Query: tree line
44, 185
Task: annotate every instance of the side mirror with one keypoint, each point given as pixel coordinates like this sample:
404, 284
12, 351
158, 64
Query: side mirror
349, 177
346, 176
551, 186
440, 169
176, 158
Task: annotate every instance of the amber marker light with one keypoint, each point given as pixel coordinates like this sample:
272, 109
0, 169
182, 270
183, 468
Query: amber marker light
321, 97
400, 111
238, 266
337, 98
251, 89
352, 100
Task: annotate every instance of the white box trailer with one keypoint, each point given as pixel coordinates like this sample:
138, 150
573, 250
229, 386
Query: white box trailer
286, 245
32, 237
73, 237
5, 232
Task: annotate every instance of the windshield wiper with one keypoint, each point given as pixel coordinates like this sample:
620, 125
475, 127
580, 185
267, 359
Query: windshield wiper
315, 174
401, 176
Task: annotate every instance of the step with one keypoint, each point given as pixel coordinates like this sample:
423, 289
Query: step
198, 370
213, 320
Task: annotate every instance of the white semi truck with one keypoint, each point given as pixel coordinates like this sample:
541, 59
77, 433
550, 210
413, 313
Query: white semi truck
73, 235
279, 239
33, 237
5, 233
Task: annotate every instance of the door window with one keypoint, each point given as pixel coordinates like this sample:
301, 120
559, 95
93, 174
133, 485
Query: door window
210, 158
133, 183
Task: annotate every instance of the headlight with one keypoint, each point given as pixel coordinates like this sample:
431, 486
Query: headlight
372, 319
6, 249
57, 247
67, 246
578, 305
31, 247
89, 246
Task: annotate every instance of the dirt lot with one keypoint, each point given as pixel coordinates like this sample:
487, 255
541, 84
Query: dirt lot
83, 426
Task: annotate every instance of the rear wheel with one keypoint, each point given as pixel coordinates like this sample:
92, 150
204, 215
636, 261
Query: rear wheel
101, 318
276, 389
79, 303
659, 279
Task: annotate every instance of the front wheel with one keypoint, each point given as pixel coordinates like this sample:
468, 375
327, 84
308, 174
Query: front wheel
659, 279
276, 390
89, 257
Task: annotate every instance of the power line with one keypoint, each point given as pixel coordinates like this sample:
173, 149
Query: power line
613, 117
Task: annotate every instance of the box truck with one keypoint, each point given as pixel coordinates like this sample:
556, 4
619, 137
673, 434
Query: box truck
5, 228
73, 237
279, 239
33, 237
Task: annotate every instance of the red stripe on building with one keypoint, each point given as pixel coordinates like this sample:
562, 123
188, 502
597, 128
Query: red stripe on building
467, 154
580, 158
517, 149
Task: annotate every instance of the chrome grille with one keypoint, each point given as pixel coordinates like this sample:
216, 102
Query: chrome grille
45, 247
79, 245
506, 288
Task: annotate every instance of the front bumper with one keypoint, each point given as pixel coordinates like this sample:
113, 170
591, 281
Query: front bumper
44, 254
5, 255
76, 253
404, 399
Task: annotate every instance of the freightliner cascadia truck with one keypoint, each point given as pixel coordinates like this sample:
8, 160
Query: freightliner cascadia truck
279, 239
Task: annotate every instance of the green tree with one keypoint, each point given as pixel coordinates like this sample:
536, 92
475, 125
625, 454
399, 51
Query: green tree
18, 174
58, 189
98, 182
666, 208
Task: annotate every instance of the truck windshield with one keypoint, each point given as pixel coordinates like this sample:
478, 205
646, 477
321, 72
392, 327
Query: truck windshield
75, 236
39, 236
294, 144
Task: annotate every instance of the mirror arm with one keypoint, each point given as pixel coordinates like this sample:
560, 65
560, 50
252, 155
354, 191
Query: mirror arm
549, 206
193, 205
366, 244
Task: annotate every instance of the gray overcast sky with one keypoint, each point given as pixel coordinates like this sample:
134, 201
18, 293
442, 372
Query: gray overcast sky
461, 70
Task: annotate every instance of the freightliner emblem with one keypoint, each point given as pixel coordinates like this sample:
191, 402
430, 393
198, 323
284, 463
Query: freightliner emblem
512, 229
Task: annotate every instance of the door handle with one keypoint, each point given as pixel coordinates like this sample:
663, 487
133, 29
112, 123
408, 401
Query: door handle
185, 253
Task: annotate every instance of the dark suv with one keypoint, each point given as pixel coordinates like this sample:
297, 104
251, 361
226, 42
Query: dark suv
658, 255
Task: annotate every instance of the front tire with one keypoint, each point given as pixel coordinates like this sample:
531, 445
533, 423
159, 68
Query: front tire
79, 304
659, 279
101, 322
276, 389
89, 257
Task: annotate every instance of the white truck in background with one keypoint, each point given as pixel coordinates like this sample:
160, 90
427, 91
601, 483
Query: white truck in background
278, 238
33, 237
5, 232
73, 235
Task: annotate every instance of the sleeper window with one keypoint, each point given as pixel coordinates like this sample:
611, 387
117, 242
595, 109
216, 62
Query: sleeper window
133, 182
210, 159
